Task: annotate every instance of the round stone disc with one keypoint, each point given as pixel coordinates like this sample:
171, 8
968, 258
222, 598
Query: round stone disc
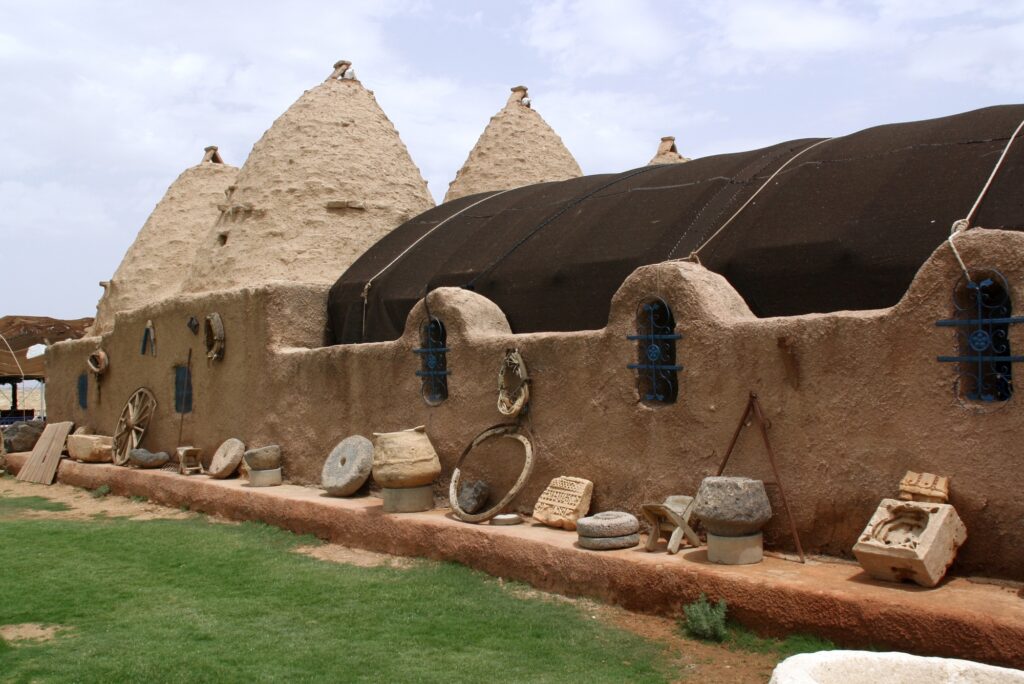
226, 459
627, 541
348, 466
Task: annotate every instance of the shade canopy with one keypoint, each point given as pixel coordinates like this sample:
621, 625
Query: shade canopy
845, 225
22, 332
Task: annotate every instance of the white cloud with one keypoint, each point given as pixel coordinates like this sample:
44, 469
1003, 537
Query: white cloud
588, 37
993, 56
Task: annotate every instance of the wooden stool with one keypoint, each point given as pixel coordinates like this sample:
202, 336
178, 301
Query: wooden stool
671, 519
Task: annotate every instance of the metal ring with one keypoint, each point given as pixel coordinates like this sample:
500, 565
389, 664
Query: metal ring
512, 432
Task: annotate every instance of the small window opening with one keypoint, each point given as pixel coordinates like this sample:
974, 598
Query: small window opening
83, 391
182, 389
433, 371
983, 316
657, 371
148, 340
222, 239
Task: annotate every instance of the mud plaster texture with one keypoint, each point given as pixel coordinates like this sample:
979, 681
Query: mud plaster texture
517, 148
855, 399
327, 180
961, 618
158, 261
667, 153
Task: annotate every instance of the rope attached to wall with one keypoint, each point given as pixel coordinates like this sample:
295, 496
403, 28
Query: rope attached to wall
964, 224
421, 238
552, 218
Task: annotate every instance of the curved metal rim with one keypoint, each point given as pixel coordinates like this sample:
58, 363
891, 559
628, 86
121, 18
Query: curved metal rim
512, 432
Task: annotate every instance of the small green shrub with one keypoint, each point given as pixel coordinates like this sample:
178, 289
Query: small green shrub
705, 620
101, 491
139, 499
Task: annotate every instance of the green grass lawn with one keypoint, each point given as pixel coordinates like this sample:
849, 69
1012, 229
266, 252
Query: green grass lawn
16, 504
193, 601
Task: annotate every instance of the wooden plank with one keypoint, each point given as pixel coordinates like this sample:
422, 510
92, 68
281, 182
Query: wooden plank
37, 472
38, 451
42, 464
52, 458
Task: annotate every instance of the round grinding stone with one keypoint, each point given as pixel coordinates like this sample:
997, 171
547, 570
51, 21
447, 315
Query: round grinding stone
348, 466
507, 519
226, 459
608, 524
609, 543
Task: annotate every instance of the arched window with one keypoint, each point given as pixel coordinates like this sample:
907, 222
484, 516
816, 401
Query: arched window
983, 316
433, 371
656, 369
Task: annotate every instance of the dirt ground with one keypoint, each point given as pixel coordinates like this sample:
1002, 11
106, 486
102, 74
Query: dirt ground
693, 660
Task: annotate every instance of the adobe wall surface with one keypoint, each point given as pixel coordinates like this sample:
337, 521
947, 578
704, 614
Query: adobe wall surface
228, 395
855, 399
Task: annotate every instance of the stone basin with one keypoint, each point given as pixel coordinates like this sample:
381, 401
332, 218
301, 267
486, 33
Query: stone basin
867, 667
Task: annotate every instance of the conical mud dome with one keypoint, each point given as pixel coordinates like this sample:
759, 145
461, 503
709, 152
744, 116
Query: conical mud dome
329, 179
157, 263
517, 148
667, 153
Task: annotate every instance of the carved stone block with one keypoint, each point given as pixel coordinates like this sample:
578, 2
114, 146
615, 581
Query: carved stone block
566, 500
910, 540
924, 487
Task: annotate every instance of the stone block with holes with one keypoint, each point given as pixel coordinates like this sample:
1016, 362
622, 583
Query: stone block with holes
910, 540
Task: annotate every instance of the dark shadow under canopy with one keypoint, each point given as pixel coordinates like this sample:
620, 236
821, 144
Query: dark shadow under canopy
844, 226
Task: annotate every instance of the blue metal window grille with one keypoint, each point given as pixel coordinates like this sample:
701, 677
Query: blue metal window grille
657, 371
984, 314
182, 389
433, 371
83, 391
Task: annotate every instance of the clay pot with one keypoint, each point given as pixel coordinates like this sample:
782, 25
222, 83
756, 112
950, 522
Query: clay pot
404, 459
91, 448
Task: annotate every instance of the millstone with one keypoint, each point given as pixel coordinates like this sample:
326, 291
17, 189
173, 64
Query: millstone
226, 459
348, 466
627, 541
503, 519
608, 524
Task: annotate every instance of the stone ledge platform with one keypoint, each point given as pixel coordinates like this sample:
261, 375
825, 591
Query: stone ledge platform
961, 618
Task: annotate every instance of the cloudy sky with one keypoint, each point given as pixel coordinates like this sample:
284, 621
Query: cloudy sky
103, 104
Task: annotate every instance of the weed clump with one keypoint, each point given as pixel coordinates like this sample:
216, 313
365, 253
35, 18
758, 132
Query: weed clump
706, 620
101, 491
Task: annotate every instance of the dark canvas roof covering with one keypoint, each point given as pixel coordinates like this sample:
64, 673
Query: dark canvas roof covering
845, 226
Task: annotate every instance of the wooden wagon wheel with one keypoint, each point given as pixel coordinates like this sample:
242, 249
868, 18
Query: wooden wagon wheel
131, 426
